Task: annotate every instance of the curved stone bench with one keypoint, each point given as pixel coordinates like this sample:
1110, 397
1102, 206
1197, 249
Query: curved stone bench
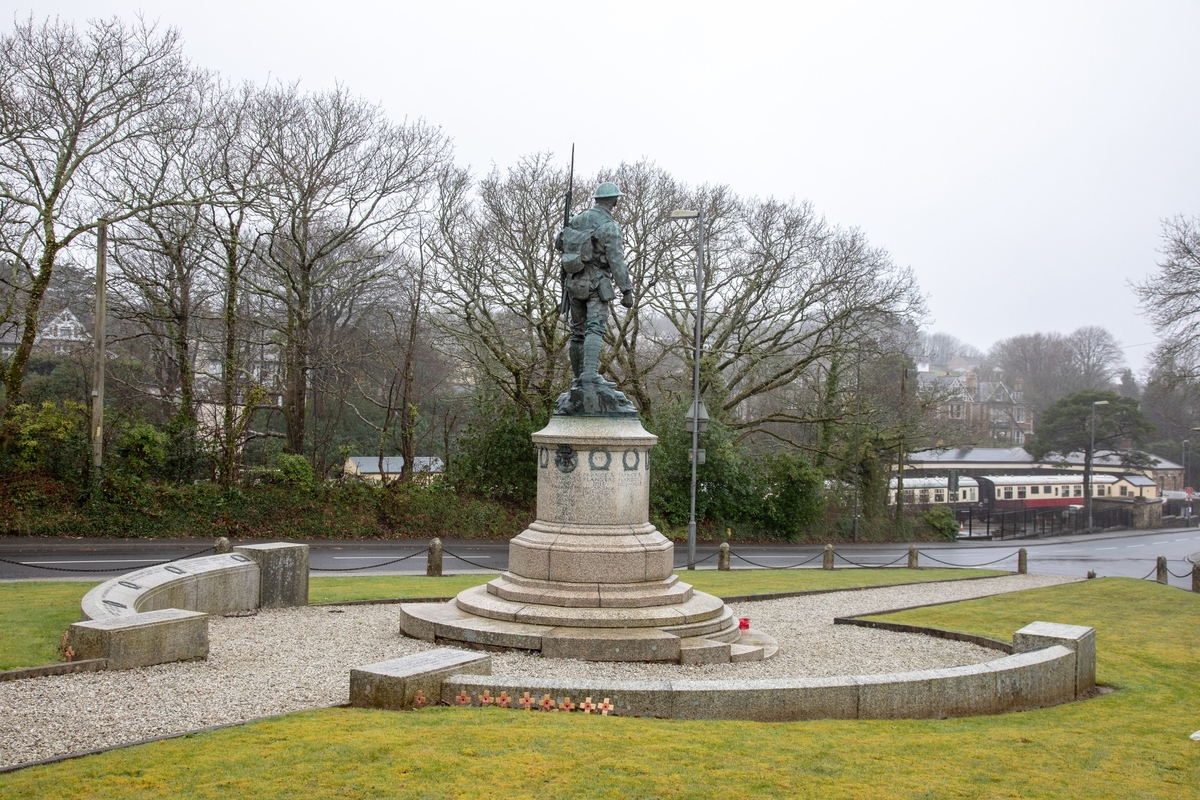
160, 613
221, 584
1052, 664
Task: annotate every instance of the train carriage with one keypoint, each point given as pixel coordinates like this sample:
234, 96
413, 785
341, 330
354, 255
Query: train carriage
1041, 491
935, 491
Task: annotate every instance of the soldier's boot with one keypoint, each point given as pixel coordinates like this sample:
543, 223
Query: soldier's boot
575, 350
591, 358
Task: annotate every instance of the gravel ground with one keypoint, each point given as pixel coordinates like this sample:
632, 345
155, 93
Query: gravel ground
294, 659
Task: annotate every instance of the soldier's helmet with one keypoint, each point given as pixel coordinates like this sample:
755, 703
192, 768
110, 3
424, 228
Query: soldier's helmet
607, 189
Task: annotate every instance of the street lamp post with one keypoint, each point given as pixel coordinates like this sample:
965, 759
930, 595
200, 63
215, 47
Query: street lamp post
1187, 509
1091, 459
697, 416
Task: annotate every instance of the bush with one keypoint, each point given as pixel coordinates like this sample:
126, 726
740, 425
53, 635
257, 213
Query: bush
725, 483
50, 438
141, 449
792, 492
418, 510
941, 520
495, 457
294, 470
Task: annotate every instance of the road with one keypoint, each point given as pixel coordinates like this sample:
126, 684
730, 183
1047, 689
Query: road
1126, 553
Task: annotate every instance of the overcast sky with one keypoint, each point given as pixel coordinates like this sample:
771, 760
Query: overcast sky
1018, 155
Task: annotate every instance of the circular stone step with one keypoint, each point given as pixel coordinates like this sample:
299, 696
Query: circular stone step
698, 608
517, 589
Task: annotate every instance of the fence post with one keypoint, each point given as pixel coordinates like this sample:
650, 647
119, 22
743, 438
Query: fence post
1022, 562
827, 561
433, 567
723, 557
222, 546
1196, 577
912, 556
1161, 577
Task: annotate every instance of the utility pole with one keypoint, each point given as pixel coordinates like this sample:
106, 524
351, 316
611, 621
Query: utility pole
857, 453
98, 353
900, 450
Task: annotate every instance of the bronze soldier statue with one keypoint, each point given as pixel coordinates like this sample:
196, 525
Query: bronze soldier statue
593, 260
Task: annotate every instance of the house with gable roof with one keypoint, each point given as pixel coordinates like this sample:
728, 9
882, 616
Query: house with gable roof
985, 408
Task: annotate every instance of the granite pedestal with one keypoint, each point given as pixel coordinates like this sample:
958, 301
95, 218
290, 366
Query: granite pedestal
591, 578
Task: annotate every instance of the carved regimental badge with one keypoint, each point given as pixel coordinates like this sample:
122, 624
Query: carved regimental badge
565, 458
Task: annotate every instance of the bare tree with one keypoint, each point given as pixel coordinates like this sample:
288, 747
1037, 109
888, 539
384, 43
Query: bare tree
1096, 358
1170, 299
74, 108
1041, 361
236, 174
159, 283
784, 293
345, 188
497, 292
941, 348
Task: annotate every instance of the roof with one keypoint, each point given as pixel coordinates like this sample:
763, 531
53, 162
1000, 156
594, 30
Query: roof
369, 465
973, 455
962, 456
932, 483
1138, 480
1114, 460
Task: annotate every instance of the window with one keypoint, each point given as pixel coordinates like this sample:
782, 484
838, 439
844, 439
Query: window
1021, 492
1047, 490
1123, 492
1007, 492
923, 496
1036, 490
1020, 414
956, 411
1079, 491
939, 496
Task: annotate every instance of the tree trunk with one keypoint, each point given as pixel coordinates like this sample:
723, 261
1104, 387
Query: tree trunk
229, 363
14, 376
900, 451
182, 346
295, 401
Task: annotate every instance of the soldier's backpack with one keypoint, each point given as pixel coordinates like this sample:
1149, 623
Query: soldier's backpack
576, 248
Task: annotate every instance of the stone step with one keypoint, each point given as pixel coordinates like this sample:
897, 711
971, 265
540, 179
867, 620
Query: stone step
709, 628
741, 653
590, 595
700, 608
697, 650
754, 638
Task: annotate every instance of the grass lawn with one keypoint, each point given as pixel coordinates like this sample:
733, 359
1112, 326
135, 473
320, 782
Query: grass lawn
1128, 744
33, 616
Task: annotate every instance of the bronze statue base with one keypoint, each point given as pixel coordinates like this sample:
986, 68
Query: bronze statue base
594, 397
